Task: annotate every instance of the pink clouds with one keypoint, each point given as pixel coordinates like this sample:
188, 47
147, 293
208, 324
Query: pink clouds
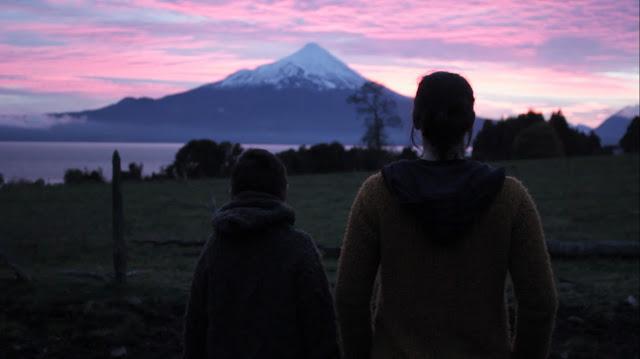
518, 54
504, 90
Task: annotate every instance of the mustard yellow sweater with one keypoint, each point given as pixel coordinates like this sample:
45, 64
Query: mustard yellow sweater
435, 301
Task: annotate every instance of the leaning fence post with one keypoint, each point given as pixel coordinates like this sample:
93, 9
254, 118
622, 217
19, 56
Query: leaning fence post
119, 245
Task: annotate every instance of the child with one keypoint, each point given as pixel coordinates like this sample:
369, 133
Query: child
259, 288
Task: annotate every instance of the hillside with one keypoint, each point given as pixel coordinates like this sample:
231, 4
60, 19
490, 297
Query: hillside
298, 99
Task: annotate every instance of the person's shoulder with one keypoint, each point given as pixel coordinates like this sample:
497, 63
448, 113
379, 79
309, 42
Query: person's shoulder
514, 191
373, 186
373, 181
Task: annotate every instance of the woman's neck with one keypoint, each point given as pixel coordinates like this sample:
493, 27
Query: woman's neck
429, 153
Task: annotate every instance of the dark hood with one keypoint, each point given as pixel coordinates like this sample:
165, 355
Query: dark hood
252, 212
446, 196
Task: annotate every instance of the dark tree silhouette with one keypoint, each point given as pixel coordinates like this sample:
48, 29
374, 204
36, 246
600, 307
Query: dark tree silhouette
76, 176
377, 110
495, 140
537, 141
574, 142
408, 153
334, 157
204, 158
134, 173
630, 142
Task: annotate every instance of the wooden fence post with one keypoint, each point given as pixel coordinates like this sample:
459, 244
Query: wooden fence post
119, 245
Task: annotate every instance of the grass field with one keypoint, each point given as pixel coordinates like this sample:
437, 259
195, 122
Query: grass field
50, 229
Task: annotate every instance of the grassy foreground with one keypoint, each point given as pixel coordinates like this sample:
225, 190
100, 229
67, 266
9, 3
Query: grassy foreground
51, 229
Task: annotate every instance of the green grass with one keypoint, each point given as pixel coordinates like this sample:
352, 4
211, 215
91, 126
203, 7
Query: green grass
53, 228
585, 198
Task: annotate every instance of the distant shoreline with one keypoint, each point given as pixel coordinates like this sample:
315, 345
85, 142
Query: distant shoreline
32, 160
48, 160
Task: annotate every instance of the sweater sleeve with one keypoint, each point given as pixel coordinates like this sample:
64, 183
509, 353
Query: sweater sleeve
533, 282
195, 321
357, 268
315, 307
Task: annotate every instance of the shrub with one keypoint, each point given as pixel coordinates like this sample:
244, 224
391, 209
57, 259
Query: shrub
333, 157
204, 158
496, 139
76, 176
537, 141
134, 173
574, 142
630, 142
408, 153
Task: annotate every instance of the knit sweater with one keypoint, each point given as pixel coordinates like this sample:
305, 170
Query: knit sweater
259, 290
434, 300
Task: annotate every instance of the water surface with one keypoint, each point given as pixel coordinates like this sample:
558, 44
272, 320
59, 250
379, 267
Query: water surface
49, 160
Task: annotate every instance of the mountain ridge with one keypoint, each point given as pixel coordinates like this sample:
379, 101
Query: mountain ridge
300, 98
614, 127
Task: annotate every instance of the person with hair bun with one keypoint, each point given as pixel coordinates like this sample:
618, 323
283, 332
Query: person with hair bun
430, 244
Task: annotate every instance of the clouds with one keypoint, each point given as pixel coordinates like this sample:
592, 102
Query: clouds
558, 48
37, 121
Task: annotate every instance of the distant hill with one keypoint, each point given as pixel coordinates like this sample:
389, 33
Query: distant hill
583, 128
298, 99
613, 128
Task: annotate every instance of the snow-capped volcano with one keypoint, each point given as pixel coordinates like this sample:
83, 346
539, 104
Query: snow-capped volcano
311, 66
298, 99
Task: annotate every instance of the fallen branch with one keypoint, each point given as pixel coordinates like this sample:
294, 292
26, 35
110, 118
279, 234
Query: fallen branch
105, 277
561, 249
575, 249
83, 274
165, 242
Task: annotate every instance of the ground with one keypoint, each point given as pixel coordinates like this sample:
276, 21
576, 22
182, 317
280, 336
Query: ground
51, 229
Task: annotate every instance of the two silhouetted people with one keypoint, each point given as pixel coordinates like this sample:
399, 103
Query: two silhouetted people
428, 247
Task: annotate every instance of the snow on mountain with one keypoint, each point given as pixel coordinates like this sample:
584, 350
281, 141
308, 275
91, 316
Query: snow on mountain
629, 112
312, 66
614, 127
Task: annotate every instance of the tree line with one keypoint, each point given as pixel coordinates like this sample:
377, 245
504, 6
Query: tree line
530, 136
206, 158
524, 136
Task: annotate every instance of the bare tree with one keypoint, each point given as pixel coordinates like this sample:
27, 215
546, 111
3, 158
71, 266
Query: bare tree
377, 110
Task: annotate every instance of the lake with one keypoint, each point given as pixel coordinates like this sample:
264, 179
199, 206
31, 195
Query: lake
49, 160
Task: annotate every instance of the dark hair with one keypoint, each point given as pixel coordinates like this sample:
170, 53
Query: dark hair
260, 171
443, 111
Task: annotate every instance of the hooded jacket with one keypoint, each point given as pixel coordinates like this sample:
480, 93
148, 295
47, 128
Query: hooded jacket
442, 238
445, 196
259, 289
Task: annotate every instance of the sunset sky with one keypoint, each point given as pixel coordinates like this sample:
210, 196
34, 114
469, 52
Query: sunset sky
581, 56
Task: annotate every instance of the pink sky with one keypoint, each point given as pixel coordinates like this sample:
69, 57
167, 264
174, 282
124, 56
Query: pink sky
580, 56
